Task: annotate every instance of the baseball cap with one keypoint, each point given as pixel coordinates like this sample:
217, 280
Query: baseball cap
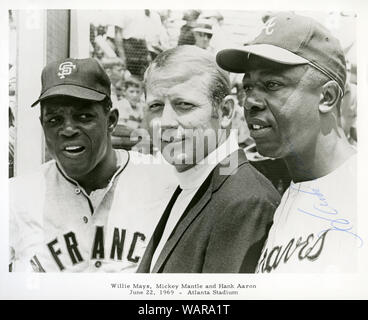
290, 39
79, 78
204, 26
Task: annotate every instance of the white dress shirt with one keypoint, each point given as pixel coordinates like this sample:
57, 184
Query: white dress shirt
190, 181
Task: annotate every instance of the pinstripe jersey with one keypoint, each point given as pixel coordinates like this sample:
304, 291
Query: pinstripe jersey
56, 226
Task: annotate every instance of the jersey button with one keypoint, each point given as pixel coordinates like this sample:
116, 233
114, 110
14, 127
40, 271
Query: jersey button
77, 190
85, 219
98, 264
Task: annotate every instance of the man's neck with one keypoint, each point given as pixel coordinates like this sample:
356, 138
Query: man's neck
320, 161
101, 175
228, 138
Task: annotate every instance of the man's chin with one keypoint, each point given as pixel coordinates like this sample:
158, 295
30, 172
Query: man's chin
183, 167
269, 152
178, 159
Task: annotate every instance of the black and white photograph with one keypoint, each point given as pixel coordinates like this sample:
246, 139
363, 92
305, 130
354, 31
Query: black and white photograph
162, 152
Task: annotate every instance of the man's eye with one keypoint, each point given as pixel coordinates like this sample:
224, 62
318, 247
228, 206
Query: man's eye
184, 105
271, 85
155, 106
85, 117
53, 120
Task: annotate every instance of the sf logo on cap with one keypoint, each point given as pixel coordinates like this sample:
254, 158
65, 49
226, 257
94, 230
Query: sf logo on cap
269, 25
65, 69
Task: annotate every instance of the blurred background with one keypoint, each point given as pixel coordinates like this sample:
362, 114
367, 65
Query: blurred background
125, 42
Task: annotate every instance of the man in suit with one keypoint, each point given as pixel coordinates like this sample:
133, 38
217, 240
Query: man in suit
219, 216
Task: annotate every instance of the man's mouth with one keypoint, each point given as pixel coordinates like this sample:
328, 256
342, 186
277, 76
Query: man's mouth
171, 140
257, 127
74, 150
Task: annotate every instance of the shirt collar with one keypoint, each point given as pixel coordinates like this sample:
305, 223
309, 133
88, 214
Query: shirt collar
121, 162
195, 176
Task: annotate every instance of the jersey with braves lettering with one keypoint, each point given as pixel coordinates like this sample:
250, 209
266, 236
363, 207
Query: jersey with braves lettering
55, 226
315, 226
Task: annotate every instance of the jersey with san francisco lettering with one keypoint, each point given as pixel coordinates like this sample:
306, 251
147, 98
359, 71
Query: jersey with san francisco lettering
315, 226
56, 226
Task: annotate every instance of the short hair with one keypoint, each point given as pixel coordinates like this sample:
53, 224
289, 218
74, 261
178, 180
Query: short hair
106, 104
191, 60
132, 82
191, 15
317, 77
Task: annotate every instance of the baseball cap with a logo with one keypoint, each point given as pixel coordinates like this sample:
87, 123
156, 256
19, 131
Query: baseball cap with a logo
79, 78
290, 39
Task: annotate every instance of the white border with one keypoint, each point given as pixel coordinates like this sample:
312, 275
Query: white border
97, 286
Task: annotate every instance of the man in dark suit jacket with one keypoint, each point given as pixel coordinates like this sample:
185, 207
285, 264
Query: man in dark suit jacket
219, 216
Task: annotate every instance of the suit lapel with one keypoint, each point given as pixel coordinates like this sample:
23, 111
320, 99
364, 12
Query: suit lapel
145, 265
228, 167
213, 182
200, 199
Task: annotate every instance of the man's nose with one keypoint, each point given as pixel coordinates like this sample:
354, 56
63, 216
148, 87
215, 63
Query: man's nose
169, 117
253, 103
69, 129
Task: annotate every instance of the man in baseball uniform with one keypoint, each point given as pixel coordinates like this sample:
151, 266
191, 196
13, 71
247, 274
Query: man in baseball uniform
294, 78
91, 208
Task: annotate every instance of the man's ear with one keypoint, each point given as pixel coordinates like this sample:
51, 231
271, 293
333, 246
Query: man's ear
113, 119
329, 96
227, 108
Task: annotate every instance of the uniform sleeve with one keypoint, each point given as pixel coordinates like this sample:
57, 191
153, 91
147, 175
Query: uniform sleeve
238, 236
